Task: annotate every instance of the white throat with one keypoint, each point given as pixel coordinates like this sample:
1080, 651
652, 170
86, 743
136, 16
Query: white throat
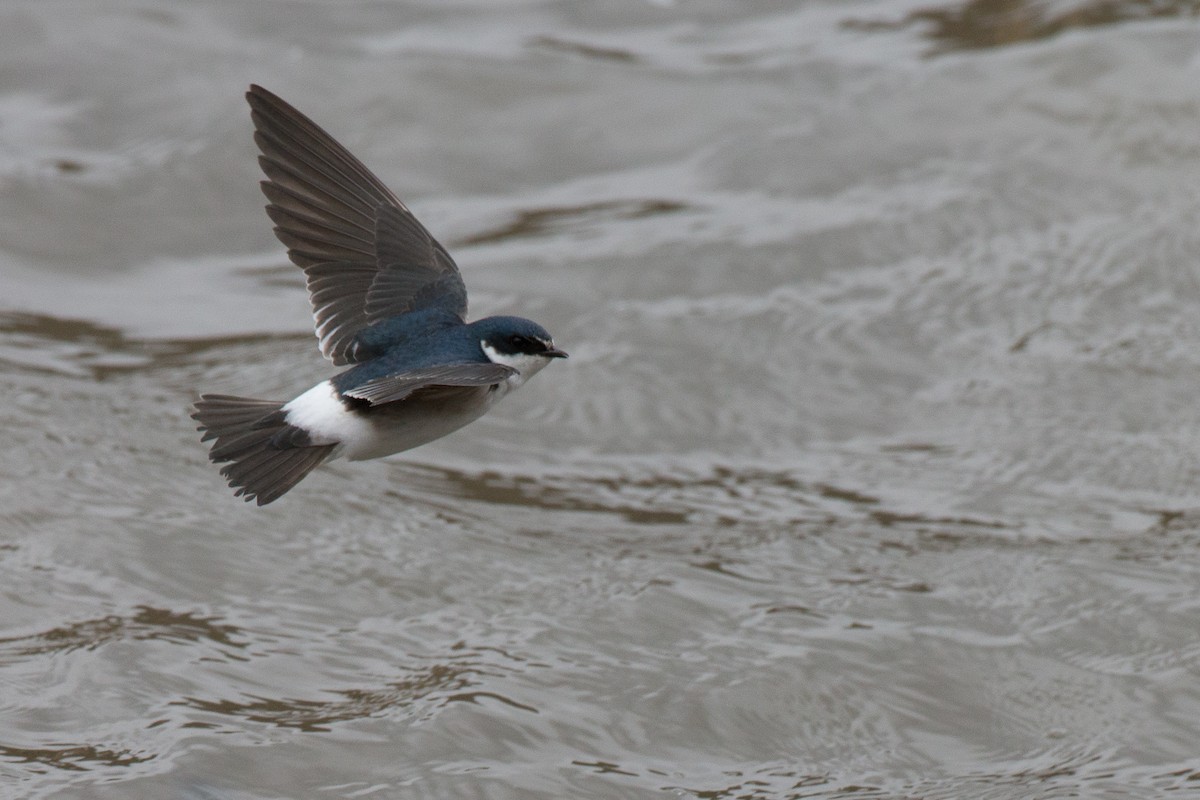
526, 365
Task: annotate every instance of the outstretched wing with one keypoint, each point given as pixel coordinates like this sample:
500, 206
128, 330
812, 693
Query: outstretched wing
365, 255
399, 386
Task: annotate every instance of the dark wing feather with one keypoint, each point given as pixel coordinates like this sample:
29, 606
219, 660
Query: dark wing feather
396, 387
400, 240
365, 255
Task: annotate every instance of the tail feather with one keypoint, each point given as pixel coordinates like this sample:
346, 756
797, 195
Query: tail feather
266, 456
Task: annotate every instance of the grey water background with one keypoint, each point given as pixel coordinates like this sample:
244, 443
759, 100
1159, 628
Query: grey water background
873, 472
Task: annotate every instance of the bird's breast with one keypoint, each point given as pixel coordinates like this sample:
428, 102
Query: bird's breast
422, 417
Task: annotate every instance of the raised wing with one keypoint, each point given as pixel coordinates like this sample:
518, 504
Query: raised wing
396, 387
365, 255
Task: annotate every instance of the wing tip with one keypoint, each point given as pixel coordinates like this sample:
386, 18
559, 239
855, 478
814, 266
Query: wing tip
256, 95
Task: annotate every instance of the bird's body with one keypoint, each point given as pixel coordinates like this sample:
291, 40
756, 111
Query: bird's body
389, 303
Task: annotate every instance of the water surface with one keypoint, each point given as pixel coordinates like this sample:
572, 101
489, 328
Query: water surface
872, 473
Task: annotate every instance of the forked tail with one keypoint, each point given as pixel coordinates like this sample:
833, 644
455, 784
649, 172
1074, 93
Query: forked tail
266, 456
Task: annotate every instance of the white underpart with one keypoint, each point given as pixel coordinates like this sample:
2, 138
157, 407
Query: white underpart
326, 419
526, 366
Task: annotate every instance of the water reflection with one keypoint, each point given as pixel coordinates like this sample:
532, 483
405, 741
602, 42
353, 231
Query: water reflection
321, 715
577, 219
145, 624
979, 24
583, 49
44, 343
72, 757
457, 676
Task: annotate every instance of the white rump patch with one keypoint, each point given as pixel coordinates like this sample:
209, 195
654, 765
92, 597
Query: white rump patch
321, 414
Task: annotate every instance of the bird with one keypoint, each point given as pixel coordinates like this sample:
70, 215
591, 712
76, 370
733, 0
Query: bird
389, 304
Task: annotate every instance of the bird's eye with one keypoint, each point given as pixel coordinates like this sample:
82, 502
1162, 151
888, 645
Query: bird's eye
520, 343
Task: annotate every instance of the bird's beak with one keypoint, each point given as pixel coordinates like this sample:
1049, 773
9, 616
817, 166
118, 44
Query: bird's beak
554, 352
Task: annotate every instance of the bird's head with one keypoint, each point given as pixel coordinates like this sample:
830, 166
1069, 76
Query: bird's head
516, 342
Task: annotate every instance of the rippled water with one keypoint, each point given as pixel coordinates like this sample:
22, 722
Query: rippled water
872, 474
